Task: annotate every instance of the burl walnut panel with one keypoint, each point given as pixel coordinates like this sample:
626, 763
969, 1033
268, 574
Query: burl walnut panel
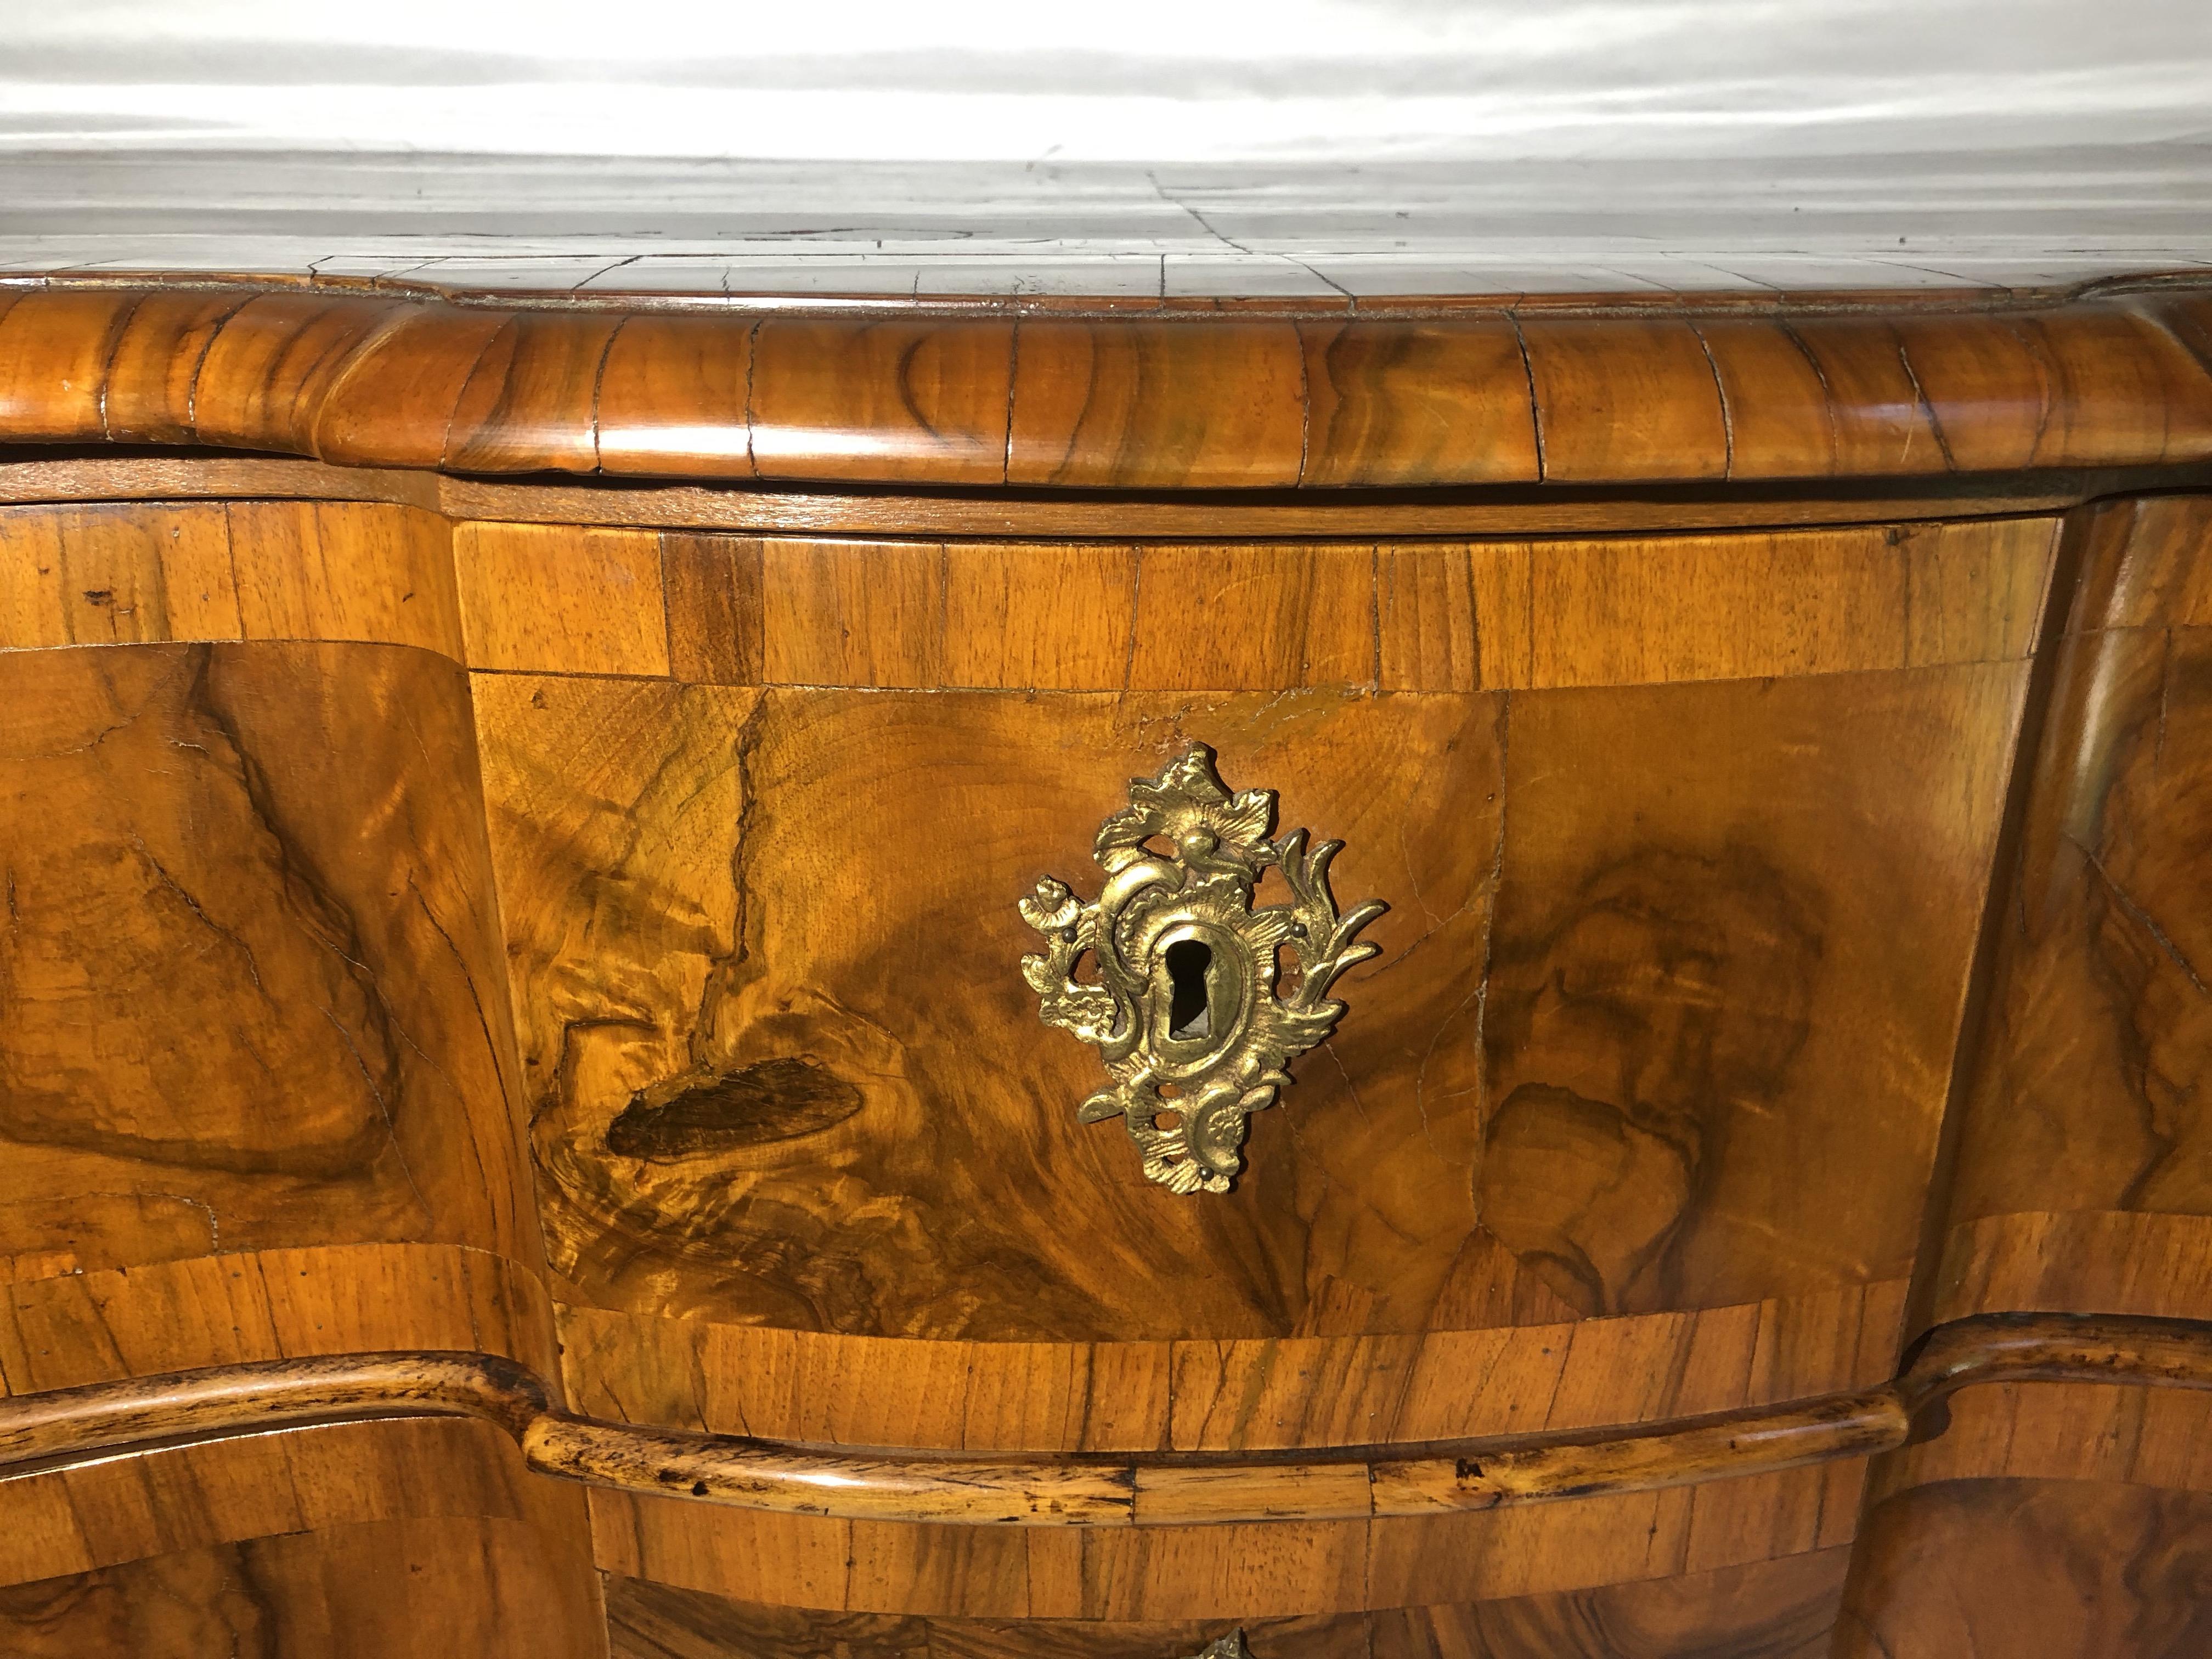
2084, 1163
753, 927
2032, 1569
864, 1131
256, 1088
1712, 826
2073, 1522
363, 1539
253, 985
831, 1072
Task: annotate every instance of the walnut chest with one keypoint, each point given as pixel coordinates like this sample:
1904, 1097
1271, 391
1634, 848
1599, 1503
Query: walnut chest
1462, 979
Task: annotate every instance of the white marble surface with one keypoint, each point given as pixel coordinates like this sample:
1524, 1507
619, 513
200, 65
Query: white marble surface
1365, 147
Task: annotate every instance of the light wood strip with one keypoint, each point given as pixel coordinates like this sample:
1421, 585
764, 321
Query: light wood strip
137, 574
109, 574
74, 1320
561, 598
1505, 616
1641, 611
345, 570
1239, 1396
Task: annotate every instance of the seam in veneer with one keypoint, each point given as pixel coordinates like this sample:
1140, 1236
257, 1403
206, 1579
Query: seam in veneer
1927, 407
1013, 378
107, 360
55, 1428
599, 388
1528, 373
1728, 415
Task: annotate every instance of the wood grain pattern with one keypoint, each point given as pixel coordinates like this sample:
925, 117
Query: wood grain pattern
1214, 405
1242, 397
156, 360
54, 348
1692, 1035
1777, 1610
33, 475
649, 786
267, 372
404, 1590
897, 398
712, 587
1275, 1569
2124, 1261
1628, 611
400, 399
1688, 838
700, 364
253, 963
2064, 1431
569, 600
342, 570
2082, 1137
1183, 617
1625, 399
1742, 1453
354, 1539
2032, 1569
72, 1319
1212, 1395
531, 401
2052, 1523
853, 614
1403, 403
633, 799
107, 574
121, 574
105, 1513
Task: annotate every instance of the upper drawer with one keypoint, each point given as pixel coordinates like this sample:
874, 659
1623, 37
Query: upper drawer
1685, 842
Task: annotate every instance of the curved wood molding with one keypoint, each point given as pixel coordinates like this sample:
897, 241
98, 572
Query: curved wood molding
1246, 397
1155, 1489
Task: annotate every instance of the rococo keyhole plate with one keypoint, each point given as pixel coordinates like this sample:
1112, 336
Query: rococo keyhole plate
1186, 1008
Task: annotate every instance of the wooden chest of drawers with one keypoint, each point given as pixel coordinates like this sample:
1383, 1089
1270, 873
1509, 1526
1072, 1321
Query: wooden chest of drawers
527, 1125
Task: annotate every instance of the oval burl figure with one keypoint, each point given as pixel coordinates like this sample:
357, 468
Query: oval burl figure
1193, 1047
705, 1111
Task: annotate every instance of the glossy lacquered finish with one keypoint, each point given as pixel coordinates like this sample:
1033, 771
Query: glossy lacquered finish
1679, 389
508, 944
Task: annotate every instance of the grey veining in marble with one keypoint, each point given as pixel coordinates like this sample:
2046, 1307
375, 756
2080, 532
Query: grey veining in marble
1364, 147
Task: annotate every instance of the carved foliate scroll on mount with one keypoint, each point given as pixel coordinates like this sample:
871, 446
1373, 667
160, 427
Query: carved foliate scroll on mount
1186, 1010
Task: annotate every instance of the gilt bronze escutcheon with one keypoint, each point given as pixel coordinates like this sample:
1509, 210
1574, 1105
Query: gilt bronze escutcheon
1188, 1008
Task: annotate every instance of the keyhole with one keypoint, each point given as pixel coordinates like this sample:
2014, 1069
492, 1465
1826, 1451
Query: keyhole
1189, 1011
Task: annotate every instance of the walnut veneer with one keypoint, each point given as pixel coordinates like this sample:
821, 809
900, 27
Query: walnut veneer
526, 1132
